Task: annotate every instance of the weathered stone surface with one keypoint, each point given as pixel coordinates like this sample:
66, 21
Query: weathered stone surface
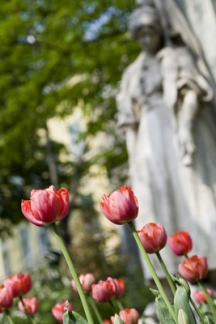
202, 19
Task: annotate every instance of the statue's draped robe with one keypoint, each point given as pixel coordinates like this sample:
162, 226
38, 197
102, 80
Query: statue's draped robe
177, 196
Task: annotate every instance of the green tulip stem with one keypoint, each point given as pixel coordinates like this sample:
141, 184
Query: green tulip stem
94, 307
33, 320
9, 317
74, 274
30, 319
112, 305
209, 299
169, 279
152, 270
120, 306
197, 310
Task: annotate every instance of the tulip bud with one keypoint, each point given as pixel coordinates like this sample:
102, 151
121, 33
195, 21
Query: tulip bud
182, 317
58, 310
20, 283
200, 297
46, 206
86, 281
103, 291
121, 206
31, 305
153, 237
193, 268
129, 315
180, 243
6, 297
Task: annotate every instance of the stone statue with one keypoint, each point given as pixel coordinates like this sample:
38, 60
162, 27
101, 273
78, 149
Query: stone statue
166, 109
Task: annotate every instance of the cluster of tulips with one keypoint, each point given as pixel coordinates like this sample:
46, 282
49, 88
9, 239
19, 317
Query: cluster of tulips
17, 286
48, 206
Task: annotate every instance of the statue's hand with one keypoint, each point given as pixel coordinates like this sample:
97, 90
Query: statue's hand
186, 144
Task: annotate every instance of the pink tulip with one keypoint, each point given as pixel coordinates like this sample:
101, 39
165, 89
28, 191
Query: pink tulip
106, 321
120, 287
103, 291
58, 310
128, 316
153, 237
121, 206
6, 297
199, 296
86, 281
180, 243
31, 305
193, 268
46, 206
20, 283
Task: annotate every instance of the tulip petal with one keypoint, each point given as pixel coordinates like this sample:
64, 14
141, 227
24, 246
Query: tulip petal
51, 189
128, 193
121, 207
64, 196
27, 212
46, 205
105, 210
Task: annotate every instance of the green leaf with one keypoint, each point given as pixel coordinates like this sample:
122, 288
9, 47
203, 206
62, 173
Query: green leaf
155, 292
203, 308
181, 302
118, 320
208, 320
162, 312
73, 318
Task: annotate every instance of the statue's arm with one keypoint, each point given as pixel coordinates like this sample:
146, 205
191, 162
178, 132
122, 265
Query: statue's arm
194, 92
189, 110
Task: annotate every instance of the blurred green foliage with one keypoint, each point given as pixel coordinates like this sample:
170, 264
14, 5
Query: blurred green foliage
44, 44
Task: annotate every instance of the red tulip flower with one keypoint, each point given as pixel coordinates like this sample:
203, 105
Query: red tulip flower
121, 206
6, 297
180, 243
20, 284
193, 268
46, 206
103, 291
199, 296
86, 281
106, 321
31, 305
58, 310
120, 287
153, 237
129, 316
